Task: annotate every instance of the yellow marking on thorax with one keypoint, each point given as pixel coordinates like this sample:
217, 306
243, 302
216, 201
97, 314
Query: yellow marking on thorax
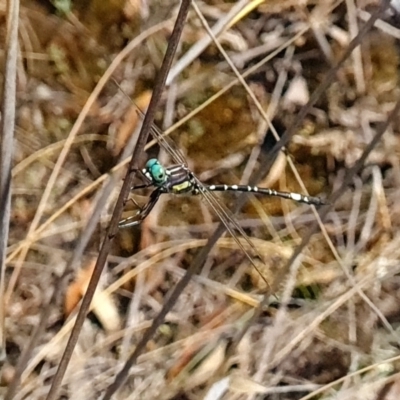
181, 187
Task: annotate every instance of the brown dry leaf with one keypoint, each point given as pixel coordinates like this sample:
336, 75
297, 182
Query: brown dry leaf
73, 293
276, 171
130, 121
201, 364
210, 365
390, 391
103, 305
319, 275
132, 9
243, 384
184, 360
106, 311
274, 256
297, 93
212, 321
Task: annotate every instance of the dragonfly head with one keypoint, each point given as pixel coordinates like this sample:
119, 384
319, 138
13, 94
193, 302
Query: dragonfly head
155, 171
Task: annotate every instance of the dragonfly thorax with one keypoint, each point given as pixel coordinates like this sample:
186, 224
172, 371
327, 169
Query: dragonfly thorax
175, 179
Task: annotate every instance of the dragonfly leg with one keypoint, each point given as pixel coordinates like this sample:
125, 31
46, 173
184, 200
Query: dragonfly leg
145, 185
134, 188
135, 203
143, 212
146, 179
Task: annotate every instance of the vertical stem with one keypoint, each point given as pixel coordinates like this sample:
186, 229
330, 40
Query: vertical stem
6, 147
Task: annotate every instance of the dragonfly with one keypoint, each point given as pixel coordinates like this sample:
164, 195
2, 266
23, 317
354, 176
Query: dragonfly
178, 179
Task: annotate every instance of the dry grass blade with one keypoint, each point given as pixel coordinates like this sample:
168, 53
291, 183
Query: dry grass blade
6, 151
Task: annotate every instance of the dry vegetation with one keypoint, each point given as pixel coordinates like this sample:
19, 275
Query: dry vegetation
331, 330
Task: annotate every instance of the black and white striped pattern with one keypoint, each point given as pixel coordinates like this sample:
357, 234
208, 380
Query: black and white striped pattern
299, 198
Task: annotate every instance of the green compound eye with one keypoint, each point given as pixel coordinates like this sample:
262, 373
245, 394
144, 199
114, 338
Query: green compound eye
156, 171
